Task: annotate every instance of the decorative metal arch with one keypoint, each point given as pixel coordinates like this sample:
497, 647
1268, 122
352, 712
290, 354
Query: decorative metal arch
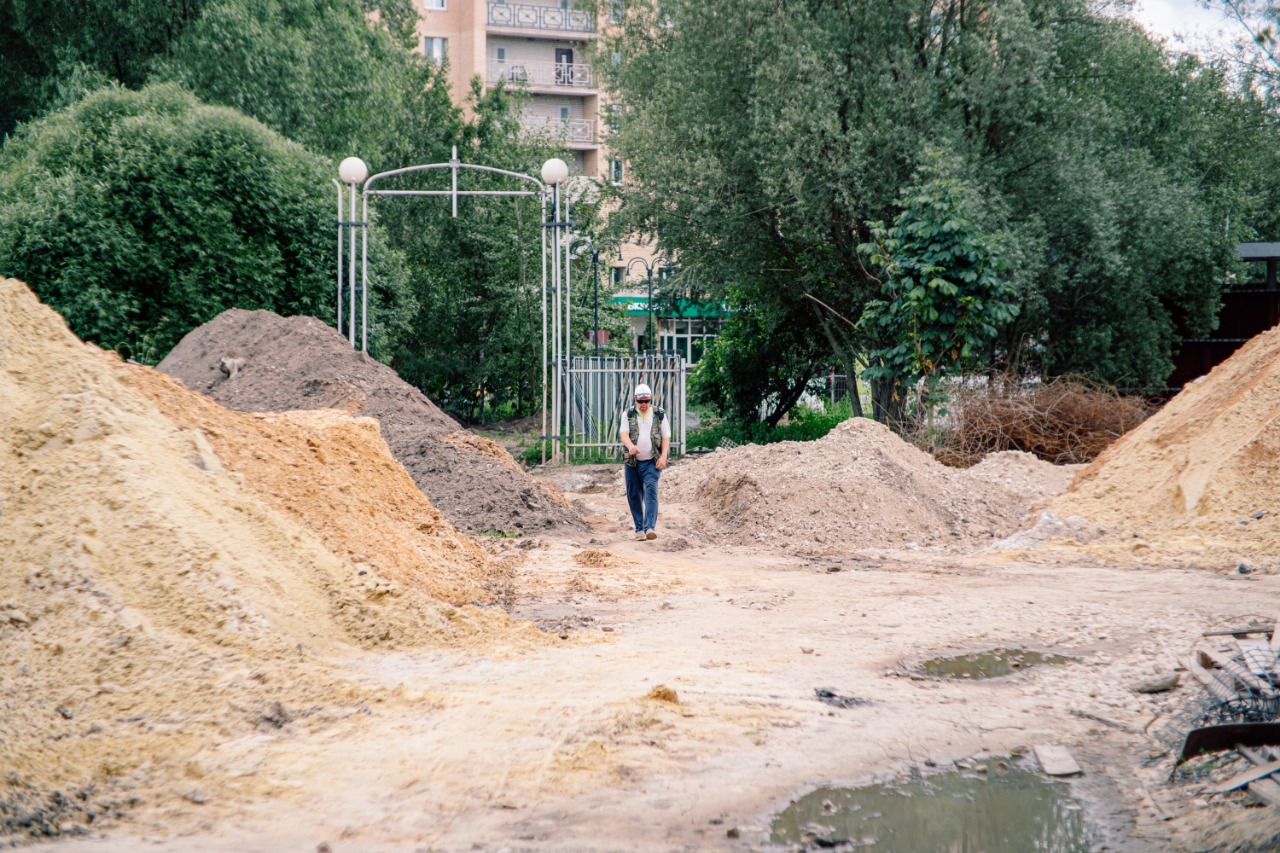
557, 315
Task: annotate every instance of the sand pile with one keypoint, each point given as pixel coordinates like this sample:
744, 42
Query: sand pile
1195, 483
860, 486
300, 363
333, 474
152, 602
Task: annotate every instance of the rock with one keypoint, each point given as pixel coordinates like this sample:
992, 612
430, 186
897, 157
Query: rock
1157, 685
17, 617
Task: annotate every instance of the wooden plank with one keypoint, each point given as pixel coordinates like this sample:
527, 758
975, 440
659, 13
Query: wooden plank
1253, 774
1265, 791
1275, 639
1256, 654
1238, 632
1237, 671
1056, 760
1210, 681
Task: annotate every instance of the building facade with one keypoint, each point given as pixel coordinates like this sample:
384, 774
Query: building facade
539, 46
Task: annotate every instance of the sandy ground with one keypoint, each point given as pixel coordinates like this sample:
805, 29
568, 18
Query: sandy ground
574, 746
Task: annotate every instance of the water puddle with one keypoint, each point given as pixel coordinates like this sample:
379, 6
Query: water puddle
992, 664
1008, 810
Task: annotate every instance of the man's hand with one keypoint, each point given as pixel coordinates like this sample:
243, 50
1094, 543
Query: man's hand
661, 463
633, 450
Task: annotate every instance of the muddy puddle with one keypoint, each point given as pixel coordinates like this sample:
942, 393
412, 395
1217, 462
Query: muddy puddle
990, 664
1009, 810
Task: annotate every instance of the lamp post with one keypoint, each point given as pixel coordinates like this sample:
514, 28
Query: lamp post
595, 309
647, 266
352, 171
554, 173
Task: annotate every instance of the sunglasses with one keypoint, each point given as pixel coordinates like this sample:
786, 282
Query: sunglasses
642, 399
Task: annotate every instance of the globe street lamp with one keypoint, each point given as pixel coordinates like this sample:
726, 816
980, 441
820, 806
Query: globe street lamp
647, 266
353, 172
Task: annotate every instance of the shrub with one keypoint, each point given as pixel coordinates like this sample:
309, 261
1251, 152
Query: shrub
140, 215
803, 424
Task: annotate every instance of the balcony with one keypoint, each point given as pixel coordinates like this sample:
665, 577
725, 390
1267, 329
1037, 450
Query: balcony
533, 19
576, 132
543, 75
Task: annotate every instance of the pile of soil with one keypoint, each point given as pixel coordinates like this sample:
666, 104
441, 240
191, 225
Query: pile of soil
1194, 484
860, 486
155, 600
333, 474
257, 361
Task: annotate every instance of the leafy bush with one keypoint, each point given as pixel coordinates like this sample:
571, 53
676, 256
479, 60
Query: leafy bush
804, 424
140, 215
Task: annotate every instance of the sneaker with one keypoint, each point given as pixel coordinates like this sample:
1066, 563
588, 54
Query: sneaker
640, 536
651, 535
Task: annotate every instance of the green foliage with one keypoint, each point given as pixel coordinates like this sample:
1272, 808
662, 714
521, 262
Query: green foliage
945, 301
803, 424
760, 357
456, 304
141, 215
476, 342
314, 70
47, 46
763, 135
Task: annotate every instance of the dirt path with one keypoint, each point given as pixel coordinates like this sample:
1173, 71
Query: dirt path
573, 747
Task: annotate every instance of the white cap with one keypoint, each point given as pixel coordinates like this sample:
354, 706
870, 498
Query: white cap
643, 390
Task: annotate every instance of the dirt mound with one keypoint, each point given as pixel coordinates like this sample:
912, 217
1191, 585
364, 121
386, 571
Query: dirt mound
860, 486
153, 601
1195, 483
257, 361
332, 474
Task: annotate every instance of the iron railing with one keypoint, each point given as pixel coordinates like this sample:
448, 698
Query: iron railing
600, 389
568, 74
526, 16
570, 130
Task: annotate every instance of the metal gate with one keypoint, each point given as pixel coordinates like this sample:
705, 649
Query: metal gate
598, 390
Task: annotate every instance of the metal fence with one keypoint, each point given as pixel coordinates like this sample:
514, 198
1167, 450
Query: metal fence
598, 390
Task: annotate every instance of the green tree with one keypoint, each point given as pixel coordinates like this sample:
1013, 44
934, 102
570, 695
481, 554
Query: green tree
47, 45
140, 215
763, 135
313, 70
944, 299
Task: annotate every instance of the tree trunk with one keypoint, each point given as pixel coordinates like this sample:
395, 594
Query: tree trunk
888, 403
848, 361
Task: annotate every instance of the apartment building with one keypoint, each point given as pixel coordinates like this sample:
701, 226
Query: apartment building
544, 47
540, 46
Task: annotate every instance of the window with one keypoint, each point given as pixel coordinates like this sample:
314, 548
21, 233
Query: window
616, 12
434, 5
500, 53
615, 58
435, 50
616, 172
565, 113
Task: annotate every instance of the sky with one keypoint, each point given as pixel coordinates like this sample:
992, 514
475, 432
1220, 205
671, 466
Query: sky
1186, 24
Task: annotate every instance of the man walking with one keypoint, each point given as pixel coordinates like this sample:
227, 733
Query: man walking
645, 435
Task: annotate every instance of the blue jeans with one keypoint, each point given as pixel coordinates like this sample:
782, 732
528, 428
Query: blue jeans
642, 494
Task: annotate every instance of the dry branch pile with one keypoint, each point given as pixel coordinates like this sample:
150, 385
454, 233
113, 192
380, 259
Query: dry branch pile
1064, 421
